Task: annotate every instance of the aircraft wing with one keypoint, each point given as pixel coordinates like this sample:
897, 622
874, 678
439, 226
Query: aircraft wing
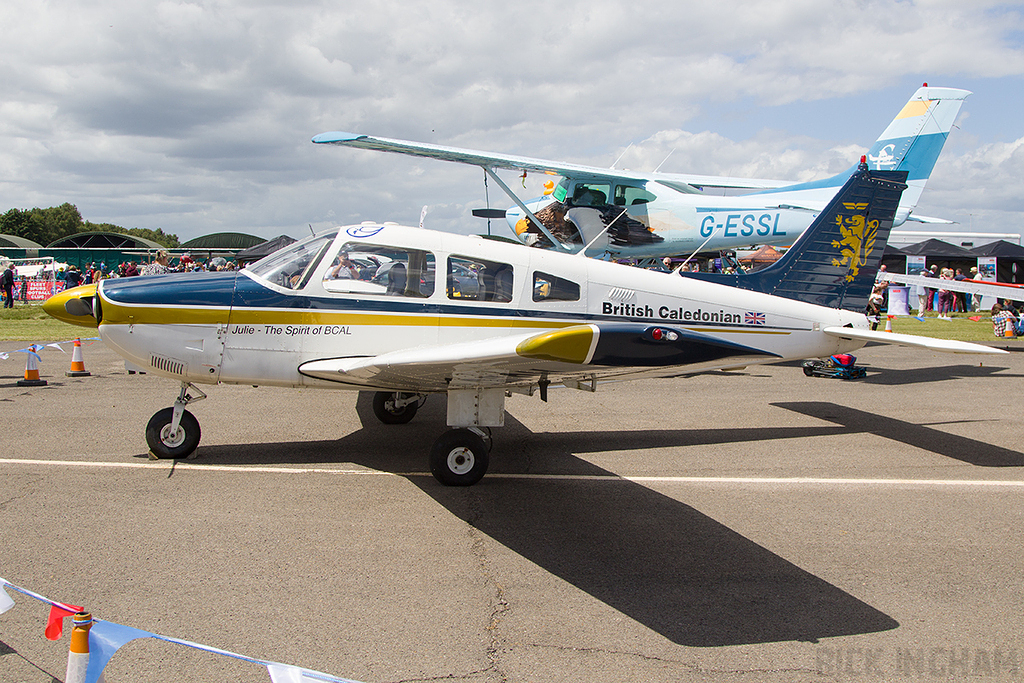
1000, 290
571, 353
680, 182
944, 345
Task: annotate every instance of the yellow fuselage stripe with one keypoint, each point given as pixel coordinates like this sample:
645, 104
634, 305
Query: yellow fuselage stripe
115, 314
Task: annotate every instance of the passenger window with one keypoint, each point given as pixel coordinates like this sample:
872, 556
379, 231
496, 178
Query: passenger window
553, 288
630, 196
479, 280
373, 269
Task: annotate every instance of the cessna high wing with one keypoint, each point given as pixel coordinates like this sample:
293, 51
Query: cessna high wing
619, 213
475, 319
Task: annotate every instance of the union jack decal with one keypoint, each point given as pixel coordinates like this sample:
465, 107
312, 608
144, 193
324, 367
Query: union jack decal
752, 318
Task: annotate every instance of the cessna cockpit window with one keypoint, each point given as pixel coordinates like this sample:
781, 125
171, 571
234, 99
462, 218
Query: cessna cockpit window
548, 287
590, 194
373, 269
292, 266
479, 280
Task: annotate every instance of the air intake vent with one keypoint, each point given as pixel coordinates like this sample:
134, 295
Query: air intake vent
621, 294
169, 365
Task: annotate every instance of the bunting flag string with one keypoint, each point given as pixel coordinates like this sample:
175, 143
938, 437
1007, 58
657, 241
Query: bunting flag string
34, 349
106, 638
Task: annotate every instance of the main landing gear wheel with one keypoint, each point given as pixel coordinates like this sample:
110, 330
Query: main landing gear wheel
394, 408
164, 443
459, 457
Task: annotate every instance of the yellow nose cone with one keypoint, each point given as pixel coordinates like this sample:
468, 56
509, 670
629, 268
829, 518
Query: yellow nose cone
73, 306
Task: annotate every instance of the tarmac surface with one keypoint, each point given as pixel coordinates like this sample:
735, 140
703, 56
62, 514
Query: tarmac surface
747, 526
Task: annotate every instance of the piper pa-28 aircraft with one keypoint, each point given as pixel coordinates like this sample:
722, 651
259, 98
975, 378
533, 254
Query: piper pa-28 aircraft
627, 214
474, 319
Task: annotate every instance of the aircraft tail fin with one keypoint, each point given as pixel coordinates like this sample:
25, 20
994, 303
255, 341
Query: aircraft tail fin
914, 139
911, 142
835, 260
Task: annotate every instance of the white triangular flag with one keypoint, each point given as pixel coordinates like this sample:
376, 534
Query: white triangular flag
284, 673
6, 602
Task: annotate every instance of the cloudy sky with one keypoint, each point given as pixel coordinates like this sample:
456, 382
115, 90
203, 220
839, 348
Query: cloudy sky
196, 117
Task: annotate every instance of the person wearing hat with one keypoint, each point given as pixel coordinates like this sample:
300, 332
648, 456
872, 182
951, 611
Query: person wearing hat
975, 298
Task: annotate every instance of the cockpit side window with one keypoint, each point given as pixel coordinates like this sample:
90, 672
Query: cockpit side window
479, 280
547, 287
590, 194
385, 270
292, 266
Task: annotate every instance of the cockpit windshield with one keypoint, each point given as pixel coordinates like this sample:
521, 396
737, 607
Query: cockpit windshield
292, 266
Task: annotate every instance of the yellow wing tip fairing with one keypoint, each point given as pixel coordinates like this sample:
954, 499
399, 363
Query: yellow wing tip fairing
569, 345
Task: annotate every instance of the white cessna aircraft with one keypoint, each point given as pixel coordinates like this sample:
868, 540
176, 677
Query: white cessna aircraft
633, 214
474, 319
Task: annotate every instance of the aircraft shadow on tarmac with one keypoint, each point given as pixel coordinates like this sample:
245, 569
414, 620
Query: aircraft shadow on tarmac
890, 377
944, 443
657, 560
942, 373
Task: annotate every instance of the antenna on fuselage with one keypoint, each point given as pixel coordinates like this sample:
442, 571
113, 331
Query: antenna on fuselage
311, 231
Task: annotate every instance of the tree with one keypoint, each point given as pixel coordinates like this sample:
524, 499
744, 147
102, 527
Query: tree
46, 226
20, 224
58, 222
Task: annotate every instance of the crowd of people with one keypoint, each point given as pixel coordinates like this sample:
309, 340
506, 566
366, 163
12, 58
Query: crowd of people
162, 263
13, 286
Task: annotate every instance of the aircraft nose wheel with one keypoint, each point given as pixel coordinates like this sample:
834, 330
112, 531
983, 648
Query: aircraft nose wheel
165, 443
459, 457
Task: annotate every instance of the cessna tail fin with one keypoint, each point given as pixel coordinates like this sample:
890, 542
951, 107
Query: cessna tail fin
835, 260
911, 143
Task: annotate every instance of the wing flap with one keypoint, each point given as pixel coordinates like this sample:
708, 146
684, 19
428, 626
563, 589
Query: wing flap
943, 345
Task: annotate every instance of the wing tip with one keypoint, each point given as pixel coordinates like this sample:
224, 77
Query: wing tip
335, 137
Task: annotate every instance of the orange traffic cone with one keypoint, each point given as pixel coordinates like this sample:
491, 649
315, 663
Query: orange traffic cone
32, 372
888, 323
78, 652
77, 362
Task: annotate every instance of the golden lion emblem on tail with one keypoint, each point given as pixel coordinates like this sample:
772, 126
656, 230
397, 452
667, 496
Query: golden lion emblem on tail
858, 241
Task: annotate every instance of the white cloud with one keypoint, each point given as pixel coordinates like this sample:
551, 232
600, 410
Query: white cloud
196, 116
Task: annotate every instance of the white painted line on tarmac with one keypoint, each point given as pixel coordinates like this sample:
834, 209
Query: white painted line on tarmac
788, 481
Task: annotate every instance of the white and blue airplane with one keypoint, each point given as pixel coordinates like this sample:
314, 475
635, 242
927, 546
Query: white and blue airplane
475, 319
632, 214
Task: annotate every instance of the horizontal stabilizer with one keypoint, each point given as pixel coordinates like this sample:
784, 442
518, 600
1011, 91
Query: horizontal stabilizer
1000, 290
915, 218
943, 345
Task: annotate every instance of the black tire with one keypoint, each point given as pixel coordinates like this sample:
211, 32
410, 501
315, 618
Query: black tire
388, 415
177, 446
809, 370
459, 458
